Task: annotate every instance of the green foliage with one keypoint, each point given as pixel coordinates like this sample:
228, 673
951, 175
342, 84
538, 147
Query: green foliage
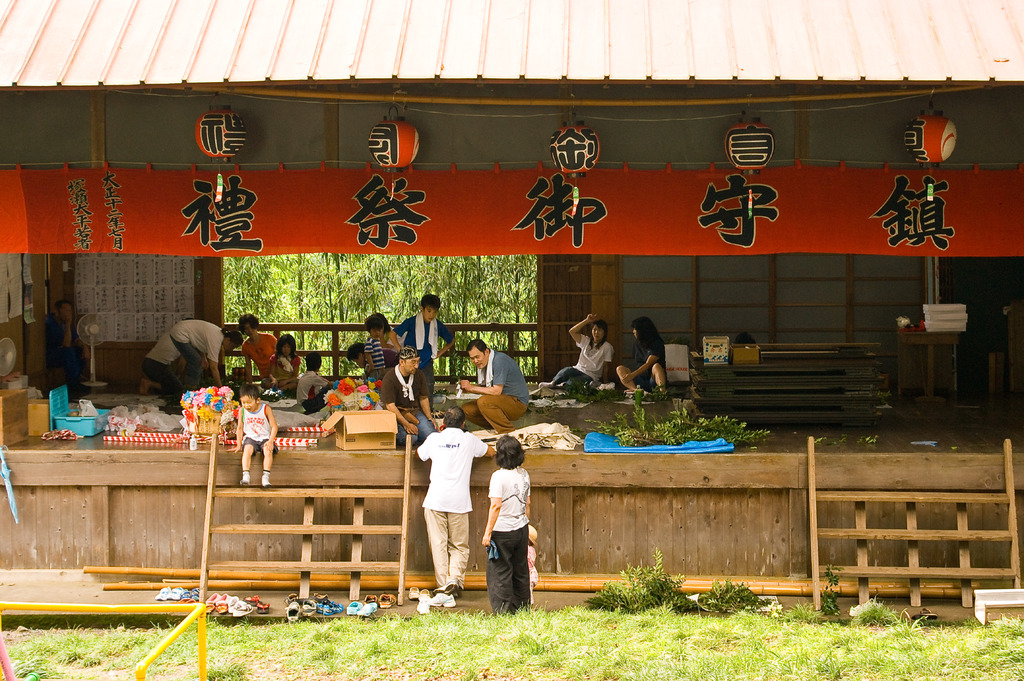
568, 644
675, 429
232, 671
643, 588
869, 440
802, 612
830, 593
729, 596
347, 288
583, 392
874, 613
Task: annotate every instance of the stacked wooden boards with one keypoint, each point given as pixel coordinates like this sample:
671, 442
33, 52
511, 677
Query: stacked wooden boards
795, 383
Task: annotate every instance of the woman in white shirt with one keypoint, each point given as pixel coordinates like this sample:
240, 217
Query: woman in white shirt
506, 536
595, 355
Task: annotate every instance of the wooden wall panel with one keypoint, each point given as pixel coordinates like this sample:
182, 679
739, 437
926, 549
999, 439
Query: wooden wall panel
704, 526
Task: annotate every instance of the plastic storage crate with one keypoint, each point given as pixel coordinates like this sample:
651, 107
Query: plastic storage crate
81, 425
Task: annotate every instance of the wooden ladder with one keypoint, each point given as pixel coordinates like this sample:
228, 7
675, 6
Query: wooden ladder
307, 529
963, 535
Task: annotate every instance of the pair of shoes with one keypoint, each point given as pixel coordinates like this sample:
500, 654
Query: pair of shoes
442, 600
367, 609
175, 594
261, 607
293, 611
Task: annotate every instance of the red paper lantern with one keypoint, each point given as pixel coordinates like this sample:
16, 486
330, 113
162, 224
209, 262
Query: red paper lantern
575, 148
930, 137
394, 144
220, 134
749, 146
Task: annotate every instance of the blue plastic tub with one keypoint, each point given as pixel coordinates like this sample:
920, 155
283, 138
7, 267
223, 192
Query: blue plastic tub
81, 425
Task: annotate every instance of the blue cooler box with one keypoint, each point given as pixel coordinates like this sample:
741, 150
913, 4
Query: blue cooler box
81, 425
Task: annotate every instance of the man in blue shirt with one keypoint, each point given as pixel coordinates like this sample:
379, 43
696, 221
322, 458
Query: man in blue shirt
424, 332
64, 349
501, 386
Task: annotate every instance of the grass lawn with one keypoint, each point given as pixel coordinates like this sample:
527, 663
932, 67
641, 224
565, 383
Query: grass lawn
574, 643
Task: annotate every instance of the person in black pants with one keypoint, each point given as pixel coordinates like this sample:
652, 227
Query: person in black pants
506, 537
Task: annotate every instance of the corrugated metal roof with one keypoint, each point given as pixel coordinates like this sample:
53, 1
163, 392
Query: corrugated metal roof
118, 43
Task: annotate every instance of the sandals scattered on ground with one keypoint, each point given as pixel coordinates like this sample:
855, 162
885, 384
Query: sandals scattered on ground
295, 608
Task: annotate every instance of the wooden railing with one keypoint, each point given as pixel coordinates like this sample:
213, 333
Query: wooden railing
519, 341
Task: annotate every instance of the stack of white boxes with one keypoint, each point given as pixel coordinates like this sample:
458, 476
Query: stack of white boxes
945, 318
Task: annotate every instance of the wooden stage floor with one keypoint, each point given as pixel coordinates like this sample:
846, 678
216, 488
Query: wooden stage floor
963, 425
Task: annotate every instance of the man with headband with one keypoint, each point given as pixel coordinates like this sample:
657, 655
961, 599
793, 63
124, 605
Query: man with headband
404, 393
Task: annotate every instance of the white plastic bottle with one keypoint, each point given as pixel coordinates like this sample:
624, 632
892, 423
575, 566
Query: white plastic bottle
193, 443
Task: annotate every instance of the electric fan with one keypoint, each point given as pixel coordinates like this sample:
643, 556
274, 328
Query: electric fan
8, 356
92, 330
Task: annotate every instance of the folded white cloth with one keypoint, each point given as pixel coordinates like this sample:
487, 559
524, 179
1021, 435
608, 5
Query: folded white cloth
430, 336
486, 377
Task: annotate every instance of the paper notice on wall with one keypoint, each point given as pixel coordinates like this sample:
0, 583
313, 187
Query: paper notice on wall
149, 289
27, 305
14, 292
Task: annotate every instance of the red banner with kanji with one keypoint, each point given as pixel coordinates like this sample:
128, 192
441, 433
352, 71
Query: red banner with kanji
793, 209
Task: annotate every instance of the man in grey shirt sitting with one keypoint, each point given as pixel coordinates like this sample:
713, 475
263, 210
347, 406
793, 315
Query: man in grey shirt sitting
501, 386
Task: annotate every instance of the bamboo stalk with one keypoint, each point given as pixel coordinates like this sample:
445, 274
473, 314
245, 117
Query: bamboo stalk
564, 583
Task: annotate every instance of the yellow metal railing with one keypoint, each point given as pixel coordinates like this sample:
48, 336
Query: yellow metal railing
195, 612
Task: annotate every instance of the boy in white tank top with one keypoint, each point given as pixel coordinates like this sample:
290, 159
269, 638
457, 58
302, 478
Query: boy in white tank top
257, 429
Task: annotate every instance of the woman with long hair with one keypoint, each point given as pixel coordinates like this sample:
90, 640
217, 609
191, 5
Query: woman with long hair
649, 353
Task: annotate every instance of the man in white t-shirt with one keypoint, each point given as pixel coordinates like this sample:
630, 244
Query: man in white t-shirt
447, 504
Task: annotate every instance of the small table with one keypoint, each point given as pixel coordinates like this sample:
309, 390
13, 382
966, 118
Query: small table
929, 339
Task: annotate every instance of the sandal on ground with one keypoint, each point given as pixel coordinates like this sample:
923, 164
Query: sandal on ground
386, 601
414, 594
925, 614
353, 608
294, 611
308, 607
164, 594
370, 598
367, 609
323, 598
241, 609
262, 608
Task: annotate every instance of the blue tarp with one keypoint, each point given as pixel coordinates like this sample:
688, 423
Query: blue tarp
599, 443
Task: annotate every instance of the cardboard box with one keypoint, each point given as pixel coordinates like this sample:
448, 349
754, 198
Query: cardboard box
13, 416
38, 417
716, 349
746, 354
373, 429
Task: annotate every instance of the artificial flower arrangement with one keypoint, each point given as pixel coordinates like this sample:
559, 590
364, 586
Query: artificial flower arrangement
208, 404
351, 395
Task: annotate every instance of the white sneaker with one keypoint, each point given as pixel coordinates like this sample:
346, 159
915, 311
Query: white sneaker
442, 600
424, 607
545, 384
606, 386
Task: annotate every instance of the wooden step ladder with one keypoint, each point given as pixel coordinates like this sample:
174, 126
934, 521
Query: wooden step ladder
307, 529
908, 502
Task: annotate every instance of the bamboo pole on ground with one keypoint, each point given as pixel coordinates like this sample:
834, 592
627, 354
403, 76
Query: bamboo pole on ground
565, 583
